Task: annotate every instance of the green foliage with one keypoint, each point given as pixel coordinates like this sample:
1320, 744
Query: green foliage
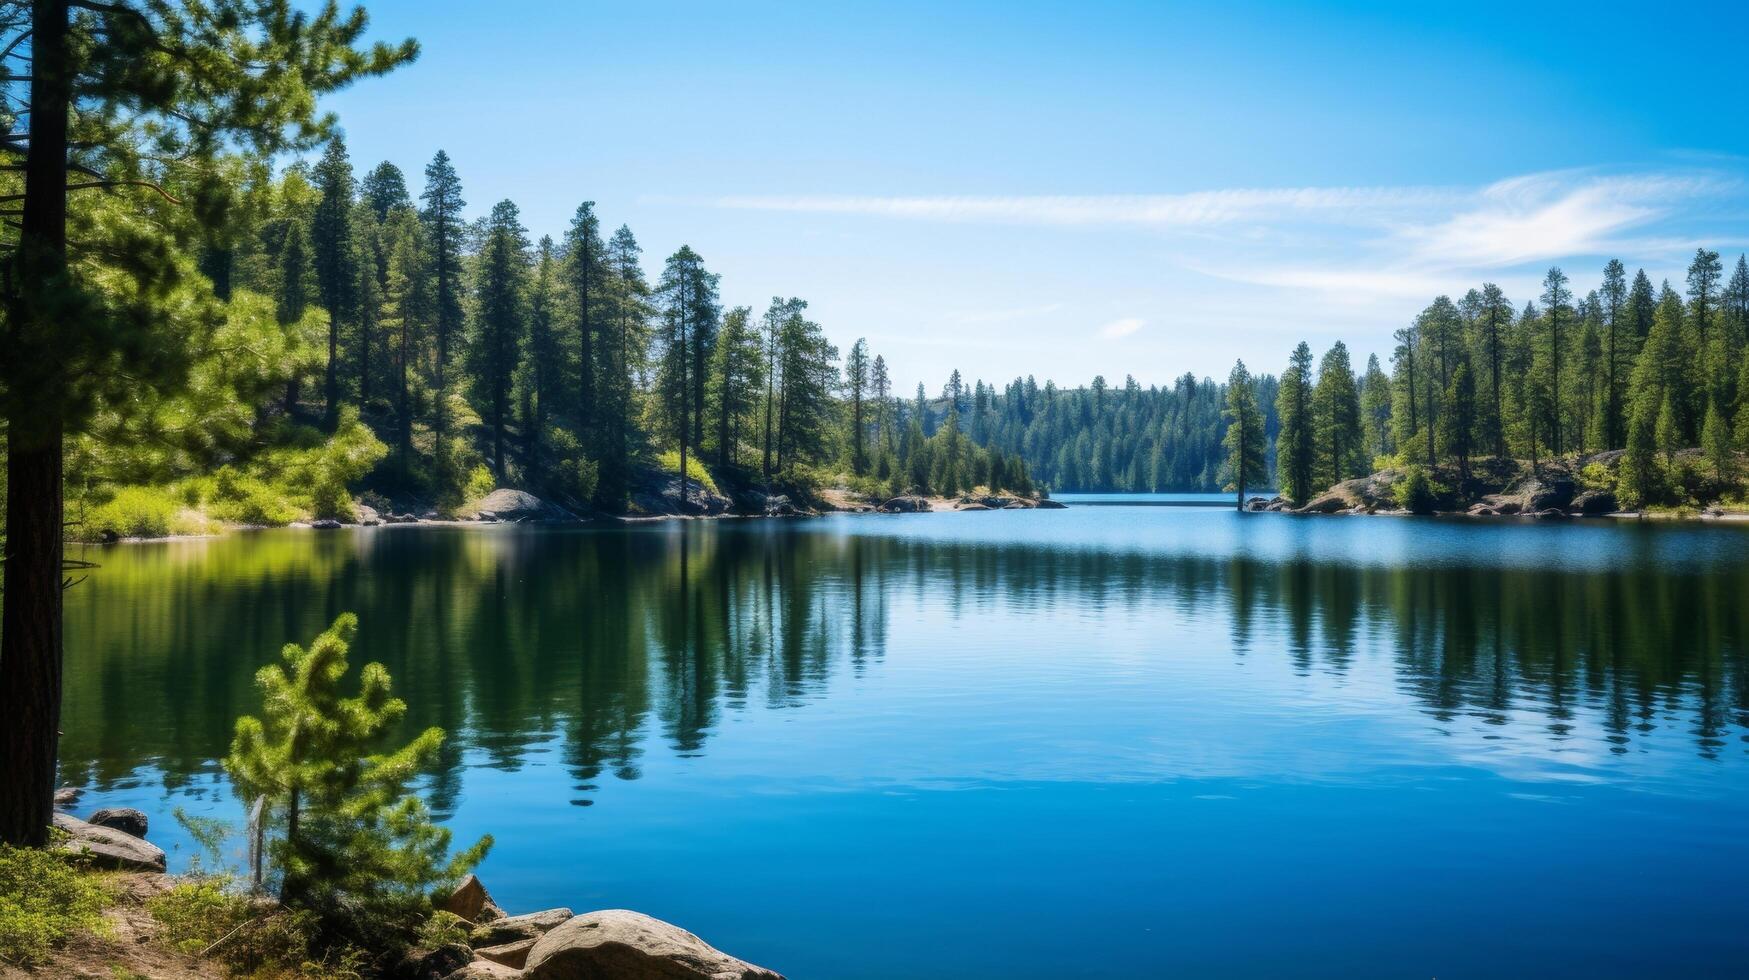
258, 940
44, 899
669, 462
134, 512
1244, 440
480, 483
1416, 492
353, 845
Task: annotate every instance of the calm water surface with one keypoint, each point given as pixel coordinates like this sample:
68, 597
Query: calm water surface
1102, 741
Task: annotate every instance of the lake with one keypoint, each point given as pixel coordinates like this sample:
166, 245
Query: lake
1102, 741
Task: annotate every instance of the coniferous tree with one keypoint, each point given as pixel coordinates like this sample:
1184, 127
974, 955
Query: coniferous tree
1375, 410
101, 84
1556, 314
335, 260
737, 374
1458, 423
1294, 447
1244, 438
1336, 431
1494, 324
411, 305
1618, 349
586, 272
626, 319
384, 189
856, 387
444, 231
354, 844
687, 298
541, 360
500, 319
294, 292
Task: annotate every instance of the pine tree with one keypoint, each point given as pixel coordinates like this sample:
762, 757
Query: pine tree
1457, 425
336, 261
541, 361
856, 387
1716, 444
444, 232
384, 189
500, 320
627, 322
1375, 410
1556, 313
1618, 350
1244, 438
1336, 430
355, 844
737, 373
105, 313
585, 273
411, 305
1294, 448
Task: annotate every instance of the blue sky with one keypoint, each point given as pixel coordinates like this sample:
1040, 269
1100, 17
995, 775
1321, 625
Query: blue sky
1070, 189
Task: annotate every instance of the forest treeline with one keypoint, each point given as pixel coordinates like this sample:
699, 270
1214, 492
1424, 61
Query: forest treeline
1650, 372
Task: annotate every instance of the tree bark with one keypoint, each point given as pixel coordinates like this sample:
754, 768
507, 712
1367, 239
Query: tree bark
30, 620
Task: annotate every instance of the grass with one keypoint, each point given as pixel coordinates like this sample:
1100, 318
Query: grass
45, 899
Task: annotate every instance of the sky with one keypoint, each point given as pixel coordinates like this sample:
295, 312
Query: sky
1064, 190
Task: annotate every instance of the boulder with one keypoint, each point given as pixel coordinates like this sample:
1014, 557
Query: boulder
125, 819
531, 925
632, 946
660, 494
1550, 514
507, 954
906, 505
483, 969
435, 963
1049, 504
1594, 503
517, 505
108, 848
1329, 503
470, 901
67, 795
1482, 510
996, 502
368, 516
326, 524
1556, 493
972, 507
400, 519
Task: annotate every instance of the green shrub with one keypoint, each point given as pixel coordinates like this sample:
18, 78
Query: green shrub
257, 939
43, 900
243, 499
669, 462
480, 483
1416, 493
1596, 476
134, 512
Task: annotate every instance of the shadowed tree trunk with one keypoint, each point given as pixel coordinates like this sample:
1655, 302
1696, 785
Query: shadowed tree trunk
30, 622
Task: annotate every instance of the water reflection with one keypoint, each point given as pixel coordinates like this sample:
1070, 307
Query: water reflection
603, 647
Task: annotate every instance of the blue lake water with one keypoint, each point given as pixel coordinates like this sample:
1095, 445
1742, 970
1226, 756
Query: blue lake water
1102, 741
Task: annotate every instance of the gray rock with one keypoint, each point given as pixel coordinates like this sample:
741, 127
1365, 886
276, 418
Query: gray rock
326, 524
400, 519
1595, 503
125, 819
1555, 493
517, 505
108, 848
1049, 504
1551, 514
67, 795
368, 516
531, 925
482, 969
1329, 503
631, 946
973, 506
906, 505
507, 954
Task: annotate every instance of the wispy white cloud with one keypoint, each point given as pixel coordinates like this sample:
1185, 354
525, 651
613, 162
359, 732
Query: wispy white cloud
1121, 327
1198, 209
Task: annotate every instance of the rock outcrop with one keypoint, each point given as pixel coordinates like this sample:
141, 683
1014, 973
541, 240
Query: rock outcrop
631, 946
1049, 504
531, 925
518, 506
905, 505
108, 848
125, 819
470, 901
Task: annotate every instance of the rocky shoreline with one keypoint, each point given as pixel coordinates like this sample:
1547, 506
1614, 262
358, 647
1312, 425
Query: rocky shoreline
1556, 490
551, 944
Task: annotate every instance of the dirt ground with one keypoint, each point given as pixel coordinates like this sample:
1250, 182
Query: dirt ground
122, 948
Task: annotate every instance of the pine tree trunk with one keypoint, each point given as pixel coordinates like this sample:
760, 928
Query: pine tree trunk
30, 607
